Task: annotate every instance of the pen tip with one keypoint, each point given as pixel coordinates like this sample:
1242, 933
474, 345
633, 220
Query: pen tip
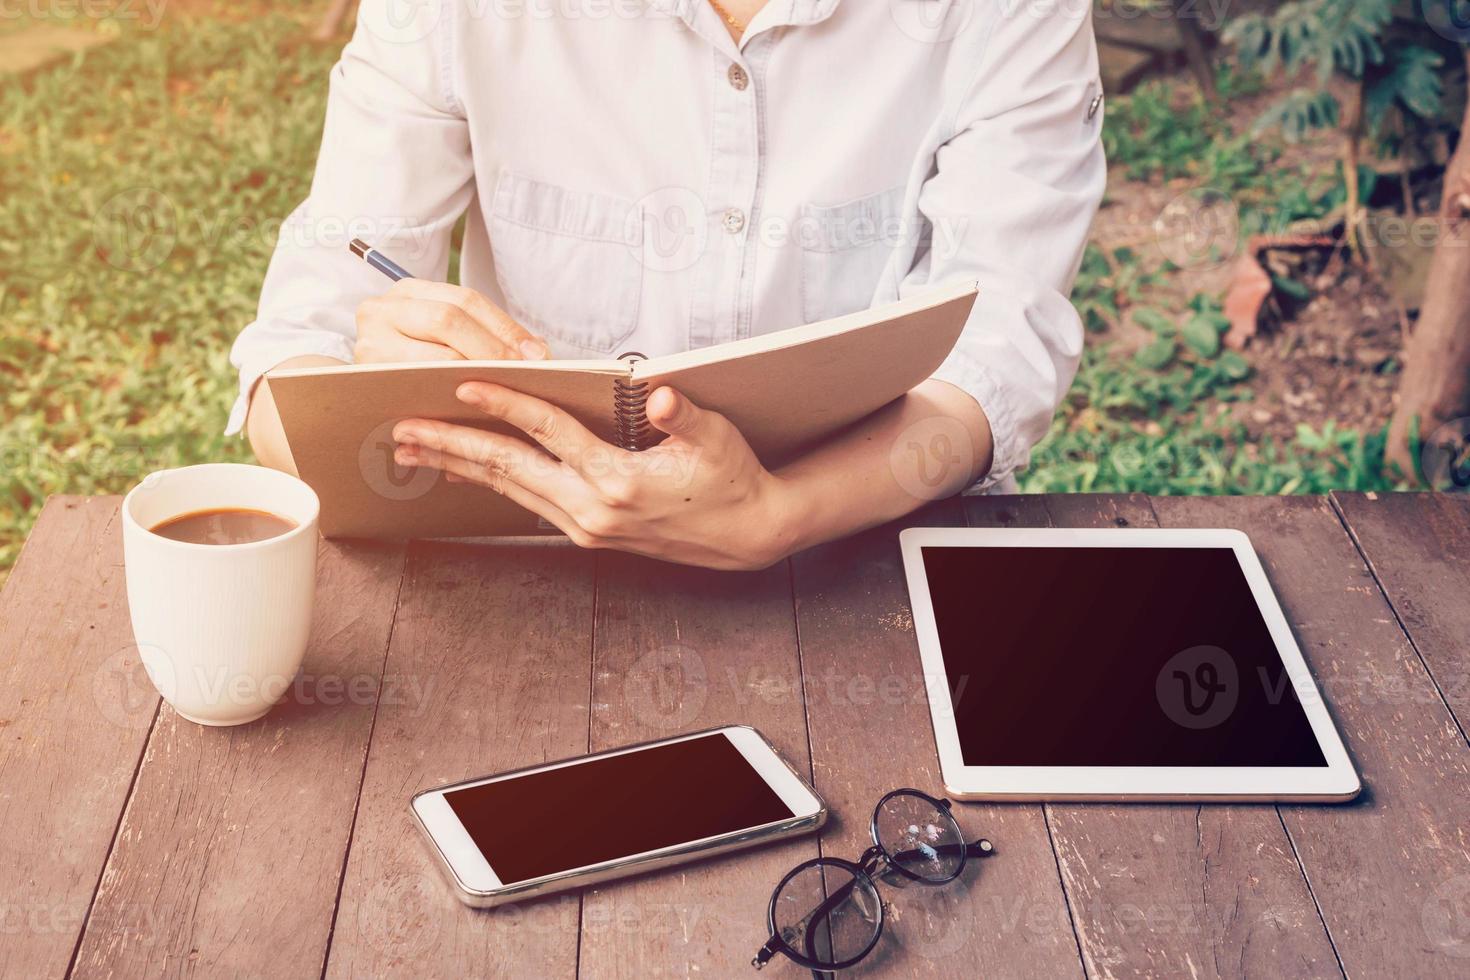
359, 248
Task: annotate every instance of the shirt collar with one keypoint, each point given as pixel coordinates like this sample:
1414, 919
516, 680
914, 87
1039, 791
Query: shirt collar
809, 11
776, 13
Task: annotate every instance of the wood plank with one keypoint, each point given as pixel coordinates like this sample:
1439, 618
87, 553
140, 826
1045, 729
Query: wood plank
1177, 890
1418, 548
497, 640
1391, 872
230, 853
75, 709
681, 649
867, 710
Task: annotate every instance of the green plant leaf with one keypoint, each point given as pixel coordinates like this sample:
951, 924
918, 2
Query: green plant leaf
1160, 323
1234, 367
1202, 336
1157, 355
1412, 83
1300, 113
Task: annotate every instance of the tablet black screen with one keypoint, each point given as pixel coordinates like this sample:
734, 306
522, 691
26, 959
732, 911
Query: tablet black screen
1112, 657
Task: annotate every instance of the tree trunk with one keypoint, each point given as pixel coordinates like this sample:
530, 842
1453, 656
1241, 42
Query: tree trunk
1196, 50
1435, 387
1352, 145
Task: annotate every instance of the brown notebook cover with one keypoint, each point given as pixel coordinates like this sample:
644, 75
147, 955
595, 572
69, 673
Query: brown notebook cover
785, 391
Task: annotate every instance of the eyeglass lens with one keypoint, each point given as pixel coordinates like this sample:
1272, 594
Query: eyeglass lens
919, 837
828, 914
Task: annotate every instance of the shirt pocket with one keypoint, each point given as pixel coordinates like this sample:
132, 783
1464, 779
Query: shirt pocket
564, 263
844, 249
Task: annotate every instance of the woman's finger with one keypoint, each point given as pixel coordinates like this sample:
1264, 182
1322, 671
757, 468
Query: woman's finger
503, 455
556, 430
671, 412
441, 323
481, 311
377, 346
459, 470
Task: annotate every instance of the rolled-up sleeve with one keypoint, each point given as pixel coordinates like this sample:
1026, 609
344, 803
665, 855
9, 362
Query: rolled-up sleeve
1010, 204
394, 169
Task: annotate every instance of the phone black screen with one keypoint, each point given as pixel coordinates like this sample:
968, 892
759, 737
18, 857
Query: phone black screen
1112, 657
579, 815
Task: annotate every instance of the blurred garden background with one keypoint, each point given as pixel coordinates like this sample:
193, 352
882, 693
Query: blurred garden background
1277, 294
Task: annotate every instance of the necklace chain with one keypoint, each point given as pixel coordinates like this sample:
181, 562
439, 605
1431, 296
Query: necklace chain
729, 17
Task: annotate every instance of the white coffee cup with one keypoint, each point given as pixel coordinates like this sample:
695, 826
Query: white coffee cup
221, 629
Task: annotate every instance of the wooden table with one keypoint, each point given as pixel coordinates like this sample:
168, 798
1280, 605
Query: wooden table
136, 843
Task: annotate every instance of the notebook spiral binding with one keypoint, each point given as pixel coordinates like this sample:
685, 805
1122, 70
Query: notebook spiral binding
630, 409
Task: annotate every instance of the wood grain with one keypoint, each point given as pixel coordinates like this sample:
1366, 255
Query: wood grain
1179, 890
230, 852
681, 649
1418, 548
1391, 872
217, 865
495, 641
867, 710
75, 709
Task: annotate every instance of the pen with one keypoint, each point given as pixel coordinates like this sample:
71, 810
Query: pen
378, 260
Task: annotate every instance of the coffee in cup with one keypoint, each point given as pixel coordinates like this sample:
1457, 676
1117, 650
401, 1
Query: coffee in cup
221, 574
225, 525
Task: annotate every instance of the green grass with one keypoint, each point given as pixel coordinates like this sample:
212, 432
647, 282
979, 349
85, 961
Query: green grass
1165, 133
140, 186
138, 190
1126, 428
1160, 132
1158, 421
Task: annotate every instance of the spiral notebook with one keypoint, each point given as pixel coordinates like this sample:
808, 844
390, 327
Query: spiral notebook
785, 391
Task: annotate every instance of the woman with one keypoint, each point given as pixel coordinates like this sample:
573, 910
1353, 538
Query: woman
677, 173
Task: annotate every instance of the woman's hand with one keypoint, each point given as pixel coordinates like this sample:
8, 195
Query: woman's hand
418, 320
700, 497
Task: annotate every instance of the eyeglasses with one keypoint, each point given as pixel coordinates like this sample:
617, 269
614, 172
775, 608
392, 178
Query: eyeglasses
826, 913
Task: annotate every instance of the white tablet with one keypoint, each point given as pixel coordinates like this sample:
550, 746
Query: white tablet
1115, 664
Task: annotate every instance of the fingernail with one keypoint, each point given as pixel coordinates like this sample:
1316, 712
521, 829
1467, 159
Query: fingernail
533, 351
405, 436
467, 395
404, 456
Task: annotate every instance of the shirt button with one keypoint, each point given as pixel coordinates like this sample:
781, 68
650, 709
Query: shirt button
738, 78
734, 221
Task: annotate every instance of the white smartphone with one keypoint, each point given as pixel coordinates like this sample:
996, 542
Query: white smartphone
597, 817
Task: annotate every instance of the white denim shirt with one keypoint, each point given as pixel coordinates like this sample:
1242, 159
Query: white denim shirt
634, 179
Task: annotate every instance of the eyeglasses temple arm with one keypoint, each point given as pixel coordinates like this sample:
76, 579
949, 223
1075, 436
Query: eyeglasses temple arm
979, 848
